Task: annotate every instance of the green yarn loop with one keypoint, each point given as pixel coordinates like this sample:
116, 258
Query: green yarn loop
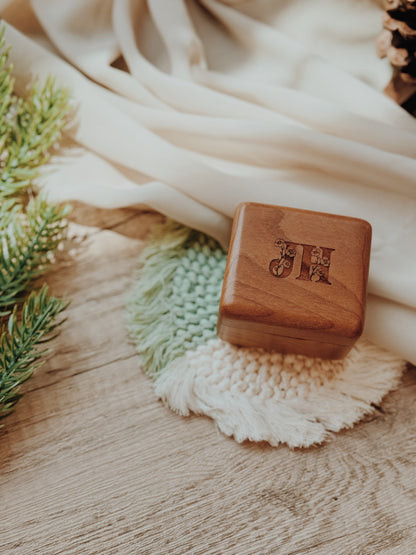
173, 306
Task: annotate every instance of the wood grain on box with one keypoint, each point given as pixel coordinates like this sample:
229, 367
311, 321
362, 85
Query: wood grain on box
295, 281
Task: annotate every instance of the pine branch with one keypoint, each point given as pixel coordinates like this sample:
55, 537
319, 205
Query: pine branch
31, 229
19, 355
27, 247
6, 89
28, 128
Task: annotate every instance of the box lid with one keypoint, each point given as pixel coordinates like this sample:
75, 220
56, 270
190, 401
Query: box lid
297, 273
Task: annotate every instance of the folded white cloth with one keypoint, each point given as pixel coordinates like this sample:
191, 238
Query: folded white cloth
191, 107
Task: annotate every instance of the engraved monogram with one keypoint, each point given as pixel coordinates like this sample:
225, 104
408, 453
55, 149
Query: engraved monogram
315, 261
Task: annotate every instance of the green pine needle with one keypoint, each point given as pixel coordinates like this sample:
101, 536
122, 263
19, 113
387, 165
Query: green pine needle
6, 89
27, 245
19, 340
31, 229
29, 128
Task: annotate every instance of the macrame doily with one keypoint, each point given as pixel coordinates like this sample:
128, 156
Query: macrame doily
252, 394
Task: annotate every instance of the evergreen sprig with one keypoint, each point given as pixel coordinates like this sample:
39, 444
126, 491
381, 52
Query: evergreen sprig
29, 127
31, 229
6, 90
19, 355
27, 247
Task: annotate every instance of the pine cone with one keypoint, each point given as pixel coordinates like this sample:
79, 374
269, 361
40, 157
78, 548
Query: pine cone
397, 42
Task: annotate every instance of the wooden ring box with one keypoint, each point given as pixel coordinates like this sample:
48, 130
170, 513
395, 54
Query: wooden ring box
295, 281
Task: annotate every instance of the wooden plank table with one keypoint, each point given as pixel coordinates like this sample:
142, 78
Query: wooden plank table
91, 462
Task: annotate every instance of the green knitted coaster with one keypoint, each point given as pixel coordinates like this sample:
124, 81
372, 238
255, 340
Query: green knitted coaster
251, 393
174, 304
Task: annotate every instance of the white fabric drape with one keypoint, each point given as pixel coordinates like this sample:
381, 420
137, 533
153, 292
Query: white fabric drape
192, 107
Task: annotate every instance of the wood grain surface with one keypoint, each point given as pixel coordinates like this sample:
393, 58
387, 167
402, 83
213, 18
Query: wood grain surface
92, 463
295, 281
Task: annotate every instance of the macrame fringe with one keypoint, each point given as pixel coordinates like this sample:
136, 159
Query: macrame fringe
149, 319
368, 374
